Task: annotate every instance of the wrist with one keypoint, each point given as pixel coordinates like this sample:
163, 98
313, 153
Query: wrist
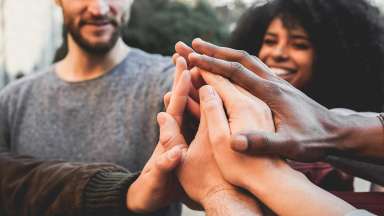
361, 136
261, 186
211, 197
231, 202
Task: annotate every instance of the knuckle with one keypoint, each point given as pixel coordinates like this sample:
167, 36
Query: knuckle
273, 89
294, 148
167, 140
243, 55
236, 67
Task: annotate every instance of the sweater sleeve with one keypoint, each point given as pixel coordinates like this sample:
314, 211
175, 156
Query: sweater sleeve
4, 126
33, 187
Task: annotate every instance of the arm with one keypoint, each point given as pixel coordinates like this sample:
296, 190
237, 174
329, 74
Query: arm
33, 187
307, 127
229, 203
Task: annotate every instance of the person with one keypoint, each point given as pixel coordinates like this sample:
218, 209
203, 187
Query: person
225, 109
288, 36
87, 126
305, 132
314, 45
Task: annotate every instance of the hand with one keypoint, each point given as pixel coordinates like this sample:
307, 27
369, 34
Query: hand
277, 185
202, 180
205, 186
157, 186
244, 112
305, 130
199, 174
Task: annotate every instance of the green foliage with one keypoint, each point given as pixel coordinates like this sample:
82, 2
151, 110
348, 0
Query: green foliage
156, 25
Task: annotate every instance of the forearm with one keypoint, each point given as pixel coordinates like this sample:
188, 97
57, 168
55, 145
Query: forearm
361, 137
288, 192
226, 203
33, 187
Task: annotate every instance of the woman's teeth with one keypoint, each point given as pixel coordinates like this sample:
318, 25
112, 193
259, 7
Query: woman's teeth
281, 71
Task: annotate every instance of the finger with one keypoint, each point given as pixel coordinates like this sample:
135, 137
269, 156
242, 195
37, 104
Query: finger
174, 58
181, 65
234, 71
197, 83
214, 115
179, 97
258, 142
169, 160
184, 50
194, 108
197, 79
167, 99
227, 91
250, 62
170, 134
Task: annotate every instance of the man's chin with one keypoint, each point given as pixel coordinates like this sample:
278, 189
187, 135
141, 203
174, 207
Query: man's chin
97, 46
94, 44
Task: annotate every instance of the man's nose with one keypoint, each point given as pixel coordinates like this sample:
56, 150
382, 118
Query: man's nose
99, 7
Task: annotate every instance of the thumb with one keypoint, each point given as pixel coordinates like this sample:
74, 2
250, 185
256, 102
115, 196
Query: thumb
258, 142
169, 160
170, 135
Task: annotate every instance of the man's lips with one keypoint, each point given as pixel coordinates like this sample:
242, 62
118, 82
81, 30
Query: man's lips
103, 22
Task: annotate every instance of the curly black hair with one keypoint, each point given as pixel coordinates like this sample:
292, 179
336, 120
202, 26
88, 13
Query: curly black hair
348, 38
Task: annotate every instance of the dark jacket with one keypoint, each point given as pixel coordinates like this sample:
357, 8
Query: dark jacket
36, 188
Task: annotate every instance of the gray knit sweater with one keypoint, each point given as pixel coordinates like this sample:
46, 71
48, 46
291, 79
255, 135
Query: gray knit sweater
108, 119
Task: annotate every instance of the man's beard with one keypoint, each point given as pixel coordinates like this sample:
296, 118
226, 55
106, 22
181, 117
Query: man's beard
86, 45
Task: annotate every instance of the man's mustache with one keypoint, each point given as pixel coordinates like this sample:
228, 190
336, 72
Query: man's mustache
102, 20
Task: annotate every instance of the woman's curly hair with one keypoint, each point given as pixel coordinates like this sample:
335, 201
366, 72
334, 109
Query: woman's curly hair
348, 39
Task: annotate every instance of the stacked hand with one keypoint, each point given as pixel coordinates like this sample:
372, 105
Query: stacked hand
237, 136
305, 130
243, 112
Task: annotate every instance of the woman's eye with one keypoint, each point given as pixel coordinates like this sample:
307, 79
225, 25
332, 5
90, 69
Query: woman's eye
269, 41
301, 46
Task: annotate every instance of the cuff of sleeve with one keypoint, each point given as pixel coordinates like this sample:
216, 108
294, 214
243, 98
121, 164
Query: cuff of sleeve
360, 212
105, 193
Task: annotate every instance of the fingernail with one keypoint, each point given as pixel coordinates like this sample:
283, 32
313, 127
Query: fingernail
174, 153
194, 70
181, 43
199, 40
239, 143
161, 118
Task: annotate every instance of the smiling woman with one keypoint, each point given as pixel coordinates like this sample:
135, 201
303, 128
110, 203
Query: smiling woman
315, 46
288, 52
333, 50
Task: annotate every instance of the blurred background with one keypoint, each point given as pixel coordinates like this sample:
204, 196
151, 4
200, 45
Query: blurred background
31, 31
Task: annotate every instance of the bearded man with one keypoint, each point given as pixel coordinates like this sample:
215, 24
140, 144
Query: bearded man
99, 104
